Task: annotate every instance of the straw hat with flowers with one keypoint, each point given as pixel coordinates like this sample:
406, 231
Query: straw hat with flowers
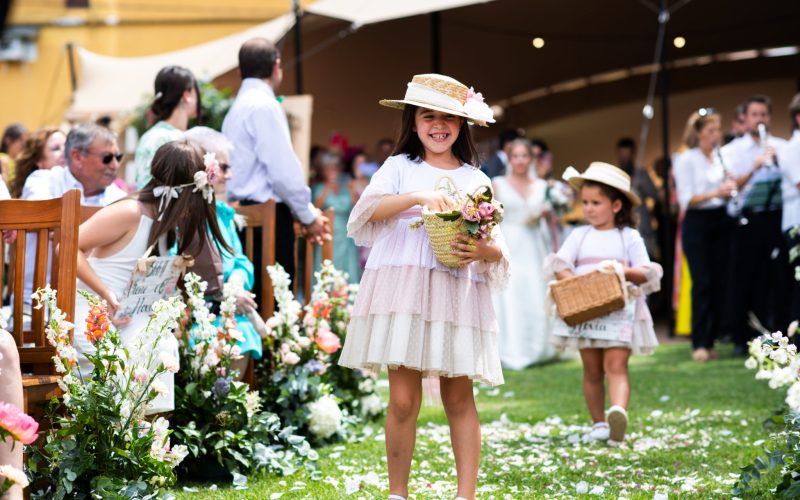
445, 94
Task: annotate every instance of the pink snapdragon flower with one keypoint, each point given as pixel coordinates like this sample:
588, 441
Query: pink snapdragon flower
15, 422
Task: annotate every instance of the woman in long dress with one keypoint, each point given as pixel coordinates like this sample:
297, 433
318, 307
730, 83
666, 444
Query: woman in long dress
521, 313
334, 191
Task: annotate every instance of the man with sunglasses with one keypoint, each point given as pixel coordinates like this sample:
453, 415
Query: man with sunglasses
91, 158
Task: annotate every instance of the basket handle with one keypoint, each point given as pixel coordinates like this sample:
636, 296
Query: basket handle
481, 190
447, 185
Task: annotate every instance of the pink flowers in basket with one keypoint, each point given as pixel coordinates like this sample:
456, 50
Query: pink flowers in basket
15, 423
481, 213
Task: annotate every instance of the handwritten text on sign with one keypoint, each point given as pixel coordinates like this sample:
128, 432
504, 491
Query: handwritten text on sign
144, 289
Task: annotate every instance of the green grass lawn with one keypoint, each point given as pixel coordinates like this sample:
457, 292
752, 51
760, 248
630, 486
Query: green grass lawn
692, 427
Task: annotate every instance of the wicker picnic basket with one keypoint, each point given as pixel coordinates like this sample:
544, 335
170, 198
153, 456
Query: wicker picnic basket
590, 296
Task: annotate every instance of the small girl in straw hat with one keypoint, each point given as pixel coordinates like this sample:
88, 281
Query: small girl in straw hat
414, 315
610, 243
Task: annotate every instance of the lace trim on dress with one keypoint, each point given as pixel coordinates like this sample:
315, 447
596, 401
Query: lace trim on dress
360, 228
654, 272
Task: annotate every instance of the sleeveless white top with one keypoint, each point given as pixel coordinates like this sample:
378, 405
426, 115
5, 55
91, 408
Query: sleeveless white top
115, 271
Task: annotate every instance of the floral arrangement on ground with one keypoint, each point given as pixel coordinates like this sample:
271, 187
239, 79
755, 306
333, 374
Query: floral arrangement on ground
217, 416
300, 379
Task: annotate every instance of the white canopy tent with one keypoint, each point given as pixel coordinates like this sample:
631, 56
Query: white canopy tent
360, 12
118, 84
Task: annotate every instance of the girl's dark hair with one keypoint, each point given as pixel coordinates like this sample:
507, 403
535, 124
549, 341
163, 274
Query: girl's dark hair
29, 157
188, 217
171, 82
625, 217
12, 133
409, 143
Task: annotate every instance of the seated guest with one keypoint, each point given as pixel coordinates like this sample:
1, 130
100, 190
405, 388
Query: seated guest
91, 158
44, 149
117, 236
236, 267
10, 146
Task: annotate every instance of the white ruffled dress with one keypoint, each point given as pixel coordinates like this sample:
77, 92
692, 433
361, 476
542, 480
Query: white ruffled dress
582, 251
411, 310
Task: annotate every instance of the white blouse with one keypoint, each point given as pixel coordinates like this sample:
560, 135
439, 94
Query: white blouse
695, 175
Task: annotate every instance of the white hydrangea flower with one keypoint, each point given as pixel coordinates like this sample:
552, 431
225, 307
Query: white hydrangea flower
326, 417
793, 396
371, 405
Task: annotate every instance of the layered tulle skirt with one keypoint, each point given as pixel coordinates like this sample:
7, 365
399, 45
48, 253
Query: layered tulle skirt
427, 319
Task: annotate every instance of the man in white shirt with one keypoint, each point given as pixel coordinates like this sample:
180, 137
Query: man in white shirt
789, 161
92, 159
759, 269
263, 164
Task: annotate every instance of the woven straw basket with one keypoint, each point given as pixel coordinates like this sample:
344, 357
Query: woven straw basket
443, 233
587, 297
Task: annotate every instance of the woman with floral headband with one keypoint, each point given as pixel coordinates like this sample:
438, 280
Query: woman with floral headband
174, 208
414, 315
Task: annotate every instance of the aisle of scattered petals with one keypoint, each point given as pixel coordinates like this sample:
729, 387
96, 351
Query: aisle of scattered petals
554, 460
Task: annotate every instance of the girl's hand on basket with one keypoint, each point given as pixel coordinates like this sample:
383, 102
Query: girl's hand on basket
436, 201
475, 250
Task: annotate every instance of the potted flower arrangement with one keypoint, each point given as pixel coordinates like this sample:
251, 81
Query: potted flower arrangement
100, 443
216, 416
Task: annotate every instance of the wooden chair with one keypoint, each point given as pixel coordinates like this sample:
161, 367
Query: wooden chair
60, 218
87, 212
304, 252
260, 216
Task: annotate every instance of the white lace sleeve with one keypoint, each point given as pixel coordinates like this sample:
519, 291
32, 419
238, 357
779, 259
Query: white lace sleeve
554, 264
359, 227
654, 273
385, 182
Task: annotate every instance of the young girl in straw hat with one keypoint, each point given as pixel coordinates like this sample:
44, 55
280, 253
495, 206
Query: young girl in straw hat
608, 207
414, 315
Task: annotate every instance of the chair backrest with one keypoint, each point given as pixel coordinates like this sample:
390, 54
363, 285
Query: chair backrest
261, 216
304, 250
87, 212
53, 220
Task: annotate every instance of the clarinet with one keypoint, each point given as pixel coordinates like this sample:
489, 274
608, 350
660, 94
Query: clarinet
763, 136
734, 204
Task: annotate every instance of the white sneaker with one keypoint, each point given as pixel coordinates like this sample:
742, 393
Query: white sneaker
617, 419
599, 432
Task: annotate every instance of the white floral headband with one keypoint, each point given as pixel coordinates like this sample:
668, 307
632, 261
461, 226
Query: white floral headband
204, 181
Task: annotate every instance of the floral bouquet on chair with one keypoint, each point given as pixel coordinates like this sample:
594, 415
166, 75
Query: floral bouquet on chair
477, 216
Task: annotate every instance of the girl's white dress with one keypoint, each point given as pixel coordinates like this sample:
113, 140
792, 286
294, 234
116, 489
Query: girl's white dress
582, 251
522, 315
411, 310
115, 271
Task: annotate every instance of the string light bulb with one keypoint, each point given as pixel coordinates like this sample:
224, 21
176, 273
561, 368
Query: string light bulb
538, 42
679, 42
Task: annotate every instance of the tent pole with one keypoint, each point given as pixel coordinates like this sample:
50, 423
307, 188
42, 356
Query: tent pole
73, 79
298, 50
667, 241
436, 63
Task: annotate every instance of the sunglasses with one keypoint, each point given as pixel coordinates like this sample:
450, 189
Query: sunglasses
107, 158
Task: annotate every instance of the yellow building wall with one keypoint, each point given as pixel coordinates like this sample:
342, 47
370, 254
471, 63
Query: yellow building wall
39, 93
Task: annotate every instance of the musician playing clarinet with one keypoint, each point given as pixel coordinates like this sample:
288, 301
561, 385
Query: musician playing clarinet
789, 161
760, 268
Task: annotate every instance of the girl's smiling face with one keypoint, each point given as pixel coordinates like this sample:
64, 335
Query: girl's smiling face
598, 209
437, 131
